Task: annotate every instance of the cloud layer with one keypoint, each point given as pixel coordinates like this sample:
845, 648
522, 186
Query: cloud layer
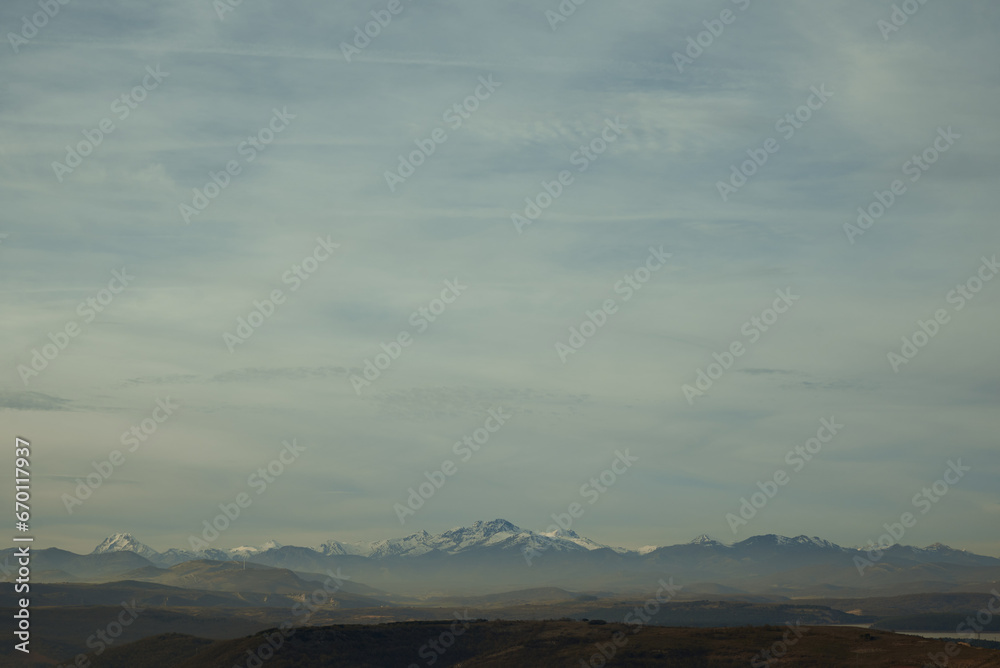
276, 195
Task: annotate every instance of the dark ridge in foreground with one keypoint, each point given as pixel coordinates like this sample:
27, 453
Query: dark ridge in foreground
495, 644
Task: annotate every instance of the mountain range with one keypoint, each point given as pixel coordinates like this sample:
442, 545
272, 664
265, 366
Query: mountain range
503, 535
497, 533
489, 557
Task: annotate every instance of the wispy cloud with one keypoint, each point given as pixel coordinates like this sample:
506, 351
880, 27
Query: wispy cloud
656, 185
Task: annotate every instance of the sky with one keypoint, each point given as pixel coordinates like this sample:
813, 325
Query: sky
477, 181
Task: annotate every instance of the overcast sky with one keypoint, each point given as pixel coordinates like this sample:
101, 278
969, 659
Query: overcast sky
673, 127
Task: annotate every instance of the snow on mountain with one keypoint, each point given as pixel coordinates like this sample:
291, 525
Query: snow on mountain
776, 541
704, 540
492, 534
335, 548
576, 539
126, 542
247, 551
412, 545
818, 542
500, 534
497, 533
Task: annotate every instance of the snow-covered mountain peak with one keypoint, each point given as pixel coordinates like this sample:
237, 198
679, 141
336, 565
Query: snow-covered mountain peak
564, 536
125, 542
337, 548
940, 547
479, 534
561, 533
776, 541
489, 528
244, 551
817, 542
